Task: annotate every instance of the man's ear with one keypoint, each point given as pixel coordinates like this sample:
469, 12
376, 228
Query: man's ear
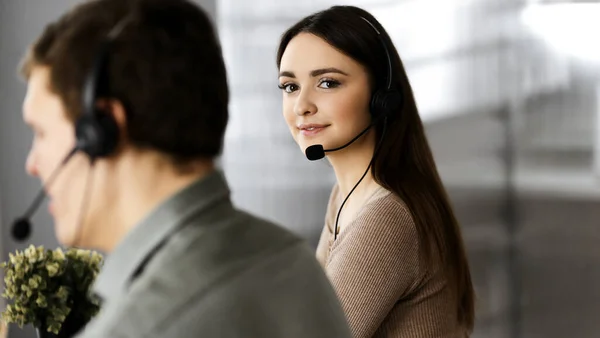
118, 112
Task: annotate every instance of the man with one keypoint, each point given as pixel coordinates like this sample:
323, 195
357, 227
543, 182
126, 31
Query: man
181, 260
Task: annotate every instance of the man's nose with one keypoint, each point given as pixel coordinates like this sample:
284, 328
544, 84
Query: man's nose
31, 165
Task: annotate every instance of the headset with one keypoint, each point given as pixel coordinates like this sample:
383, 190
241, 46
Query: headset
96, 131
384, 101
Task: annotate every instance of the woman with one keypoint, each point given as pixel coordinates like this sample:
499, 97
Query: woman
394, 252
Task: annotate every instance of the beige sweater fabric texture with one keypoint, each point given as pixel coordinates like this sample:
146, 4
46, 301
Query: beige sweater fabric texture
378, 272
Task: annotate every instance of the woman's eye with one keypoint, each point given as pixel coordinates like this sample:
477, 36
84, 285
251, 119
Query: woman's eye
288, 87
328, 84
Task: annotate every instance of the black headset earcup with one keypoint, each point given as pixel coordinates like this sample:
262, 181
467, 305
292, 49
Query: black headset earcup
385, 102
377, 103
393, 102
97, 135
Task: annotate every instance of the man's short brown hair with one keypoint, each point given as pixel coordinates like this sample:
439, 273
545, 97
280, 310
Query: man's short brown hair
166, 67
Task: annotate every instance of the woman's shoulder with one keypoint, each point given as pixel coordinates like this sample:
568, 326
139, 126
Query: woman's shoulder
386, 214
386, 207
385, 228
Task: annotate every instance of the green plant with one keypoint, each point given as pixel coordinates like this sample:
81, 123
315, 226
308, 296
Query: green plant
46, 286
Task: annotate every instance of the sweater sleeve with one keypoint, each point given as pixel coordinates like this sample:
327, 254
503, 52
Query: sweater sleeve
375, 264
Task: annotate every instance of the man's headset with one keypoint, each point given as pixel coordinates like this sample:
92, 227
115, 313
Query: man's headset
96, 131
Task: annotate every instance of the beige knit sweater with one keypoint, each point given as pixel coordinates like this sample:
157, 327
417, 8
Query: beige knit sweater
378, 272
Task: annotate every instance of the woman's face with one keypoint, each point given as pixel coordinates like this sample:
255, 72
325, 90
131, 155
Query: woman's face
326, 94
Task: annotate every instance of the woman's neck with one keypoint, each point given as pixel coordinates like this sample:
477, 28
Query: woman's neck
350, 164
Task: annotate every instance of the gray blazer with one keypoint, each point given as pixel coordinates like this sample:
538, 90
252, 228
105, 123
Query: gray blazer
198, 267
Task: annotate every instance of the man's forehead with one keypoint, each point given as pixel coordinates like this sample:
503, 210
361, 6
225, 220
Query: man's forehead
39, 102
27, 107
30, 102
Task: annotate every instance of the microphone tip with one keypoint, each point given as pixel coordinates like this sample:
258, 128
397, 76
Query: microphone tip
21, 229
315, 152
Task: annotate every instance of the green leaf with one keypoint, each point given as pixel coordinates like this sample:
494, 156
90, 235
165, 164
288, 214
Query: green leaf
46, 285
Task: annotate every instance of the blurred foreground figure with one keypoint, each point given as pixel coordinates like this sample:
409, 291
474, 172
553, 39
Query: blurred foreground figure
134, 94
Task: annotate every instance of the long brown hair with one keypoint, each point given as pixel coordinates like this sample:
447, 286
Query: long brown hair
404, 163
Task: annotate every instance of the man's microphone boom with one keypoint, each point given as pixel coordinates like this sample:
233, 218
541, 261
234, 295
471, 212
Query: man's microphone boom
22, 225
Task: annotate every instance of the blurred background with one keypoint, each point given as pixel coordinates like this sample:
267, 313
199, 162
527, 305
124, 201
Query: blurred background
509, 91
